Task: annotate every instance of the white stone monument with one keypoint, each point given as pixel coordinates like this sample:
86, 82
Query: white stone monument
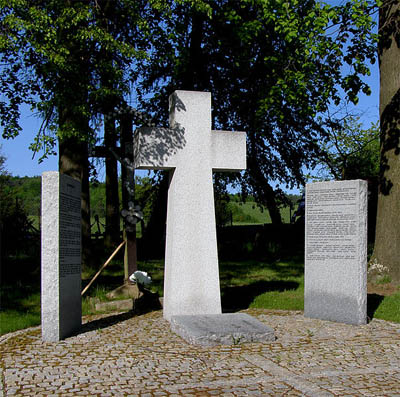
192, 151
335, 286
61, 256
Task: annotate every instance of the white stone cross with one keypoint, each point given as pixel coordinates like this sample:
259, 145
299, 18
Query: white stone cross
192, 151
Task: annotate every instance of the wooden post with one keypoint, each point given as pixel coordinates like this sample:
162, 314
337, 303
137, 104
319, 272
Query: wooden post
124, 154
128, 195
102, 268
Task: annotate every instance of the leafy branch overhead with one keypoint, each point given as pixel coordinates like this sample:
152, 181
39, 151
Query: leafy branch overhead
53, 54
273, 67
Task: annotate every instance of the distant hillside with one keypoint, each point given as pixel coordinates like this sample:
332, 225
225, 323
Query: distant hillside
28, 191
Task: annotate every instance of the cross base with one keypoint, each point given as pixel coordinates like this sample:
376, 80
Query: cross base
221, 329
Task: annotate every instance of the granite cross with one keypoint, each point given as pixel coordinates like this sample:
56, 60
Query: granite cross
191, 151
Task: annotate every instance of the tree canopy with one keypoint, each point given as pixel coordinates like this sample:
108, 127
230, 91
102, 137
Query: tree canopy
352, 151
53, 54
273, 67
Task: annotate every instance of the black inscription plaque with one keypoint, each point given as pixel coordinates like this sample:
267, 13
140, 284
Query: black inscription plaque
70, 227
331, 223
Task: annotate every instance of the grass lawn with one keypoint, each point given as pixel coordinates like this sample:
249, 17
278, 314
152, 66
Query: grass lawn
257, 214
20, 306
244, 284
389, 308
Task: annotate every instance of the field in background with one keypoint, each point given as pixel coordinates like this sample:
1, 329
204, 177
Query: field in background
258, 215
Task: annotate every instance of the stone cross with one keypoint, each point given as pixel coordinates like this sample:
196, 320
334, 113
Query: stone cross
191, 151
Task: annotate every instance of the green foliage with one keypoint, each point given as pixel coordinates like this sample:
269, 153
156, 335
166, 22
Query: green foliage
286, 63
17, 232
145, 193
97, 199
248, 212
55, 55
352, 152
240, 215
144, 196
28, 190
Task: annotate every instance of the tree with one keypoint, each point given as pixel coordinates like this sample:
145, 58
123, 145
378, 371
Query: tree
273, 69
387, 241
3, 176
15, 227
352, 152
58, 56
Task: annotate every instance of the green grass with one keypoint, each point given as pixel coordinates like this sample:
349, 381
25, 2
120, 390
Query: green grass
389, 309
12, 320
255, 284
245, 283
259, 215
112, 277
281, 300
98, 294
20, 306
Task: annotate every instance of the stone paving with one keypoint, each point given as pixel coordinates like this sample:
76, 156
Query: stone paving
127, 355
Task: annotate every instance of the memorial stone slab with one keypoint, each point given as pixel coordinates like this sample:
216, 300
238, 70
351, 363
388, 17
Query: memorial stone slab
61, 256
221, 329
335, 286
191, 151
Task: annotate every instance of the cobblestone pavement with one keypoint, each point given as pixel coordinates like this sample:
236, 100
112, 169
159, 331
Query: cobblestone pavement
126, 355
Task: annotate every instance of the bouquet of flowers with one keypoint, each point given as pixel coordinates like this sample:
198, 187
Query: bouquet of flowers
140, 278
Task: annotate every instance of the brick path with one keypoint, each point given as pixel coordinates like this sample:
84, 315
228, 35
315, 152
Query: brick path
123, 355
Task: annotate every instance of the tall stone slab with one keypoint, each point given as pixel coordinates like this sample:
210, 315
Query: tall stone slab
191, 151
61, 256
336, 251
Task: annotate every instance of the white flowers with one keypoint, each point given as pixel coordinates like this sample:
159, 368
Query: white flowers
375, 267
140, 278
378, 273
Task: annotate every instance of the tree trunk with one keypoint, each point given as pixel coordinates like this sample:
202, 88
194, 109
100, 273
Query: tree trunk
155, 232
263, 191
387, 240
73, 161
272, 205
112, 232
112, 239
193, 76
128, 196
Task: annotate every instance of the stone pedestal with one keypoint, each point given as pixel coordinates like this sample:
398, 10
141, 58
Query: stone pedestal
336, 251
61, 256
221, 329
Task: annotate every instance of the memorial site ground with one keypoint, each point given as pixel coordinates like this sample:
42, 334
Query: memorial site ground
277, 284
